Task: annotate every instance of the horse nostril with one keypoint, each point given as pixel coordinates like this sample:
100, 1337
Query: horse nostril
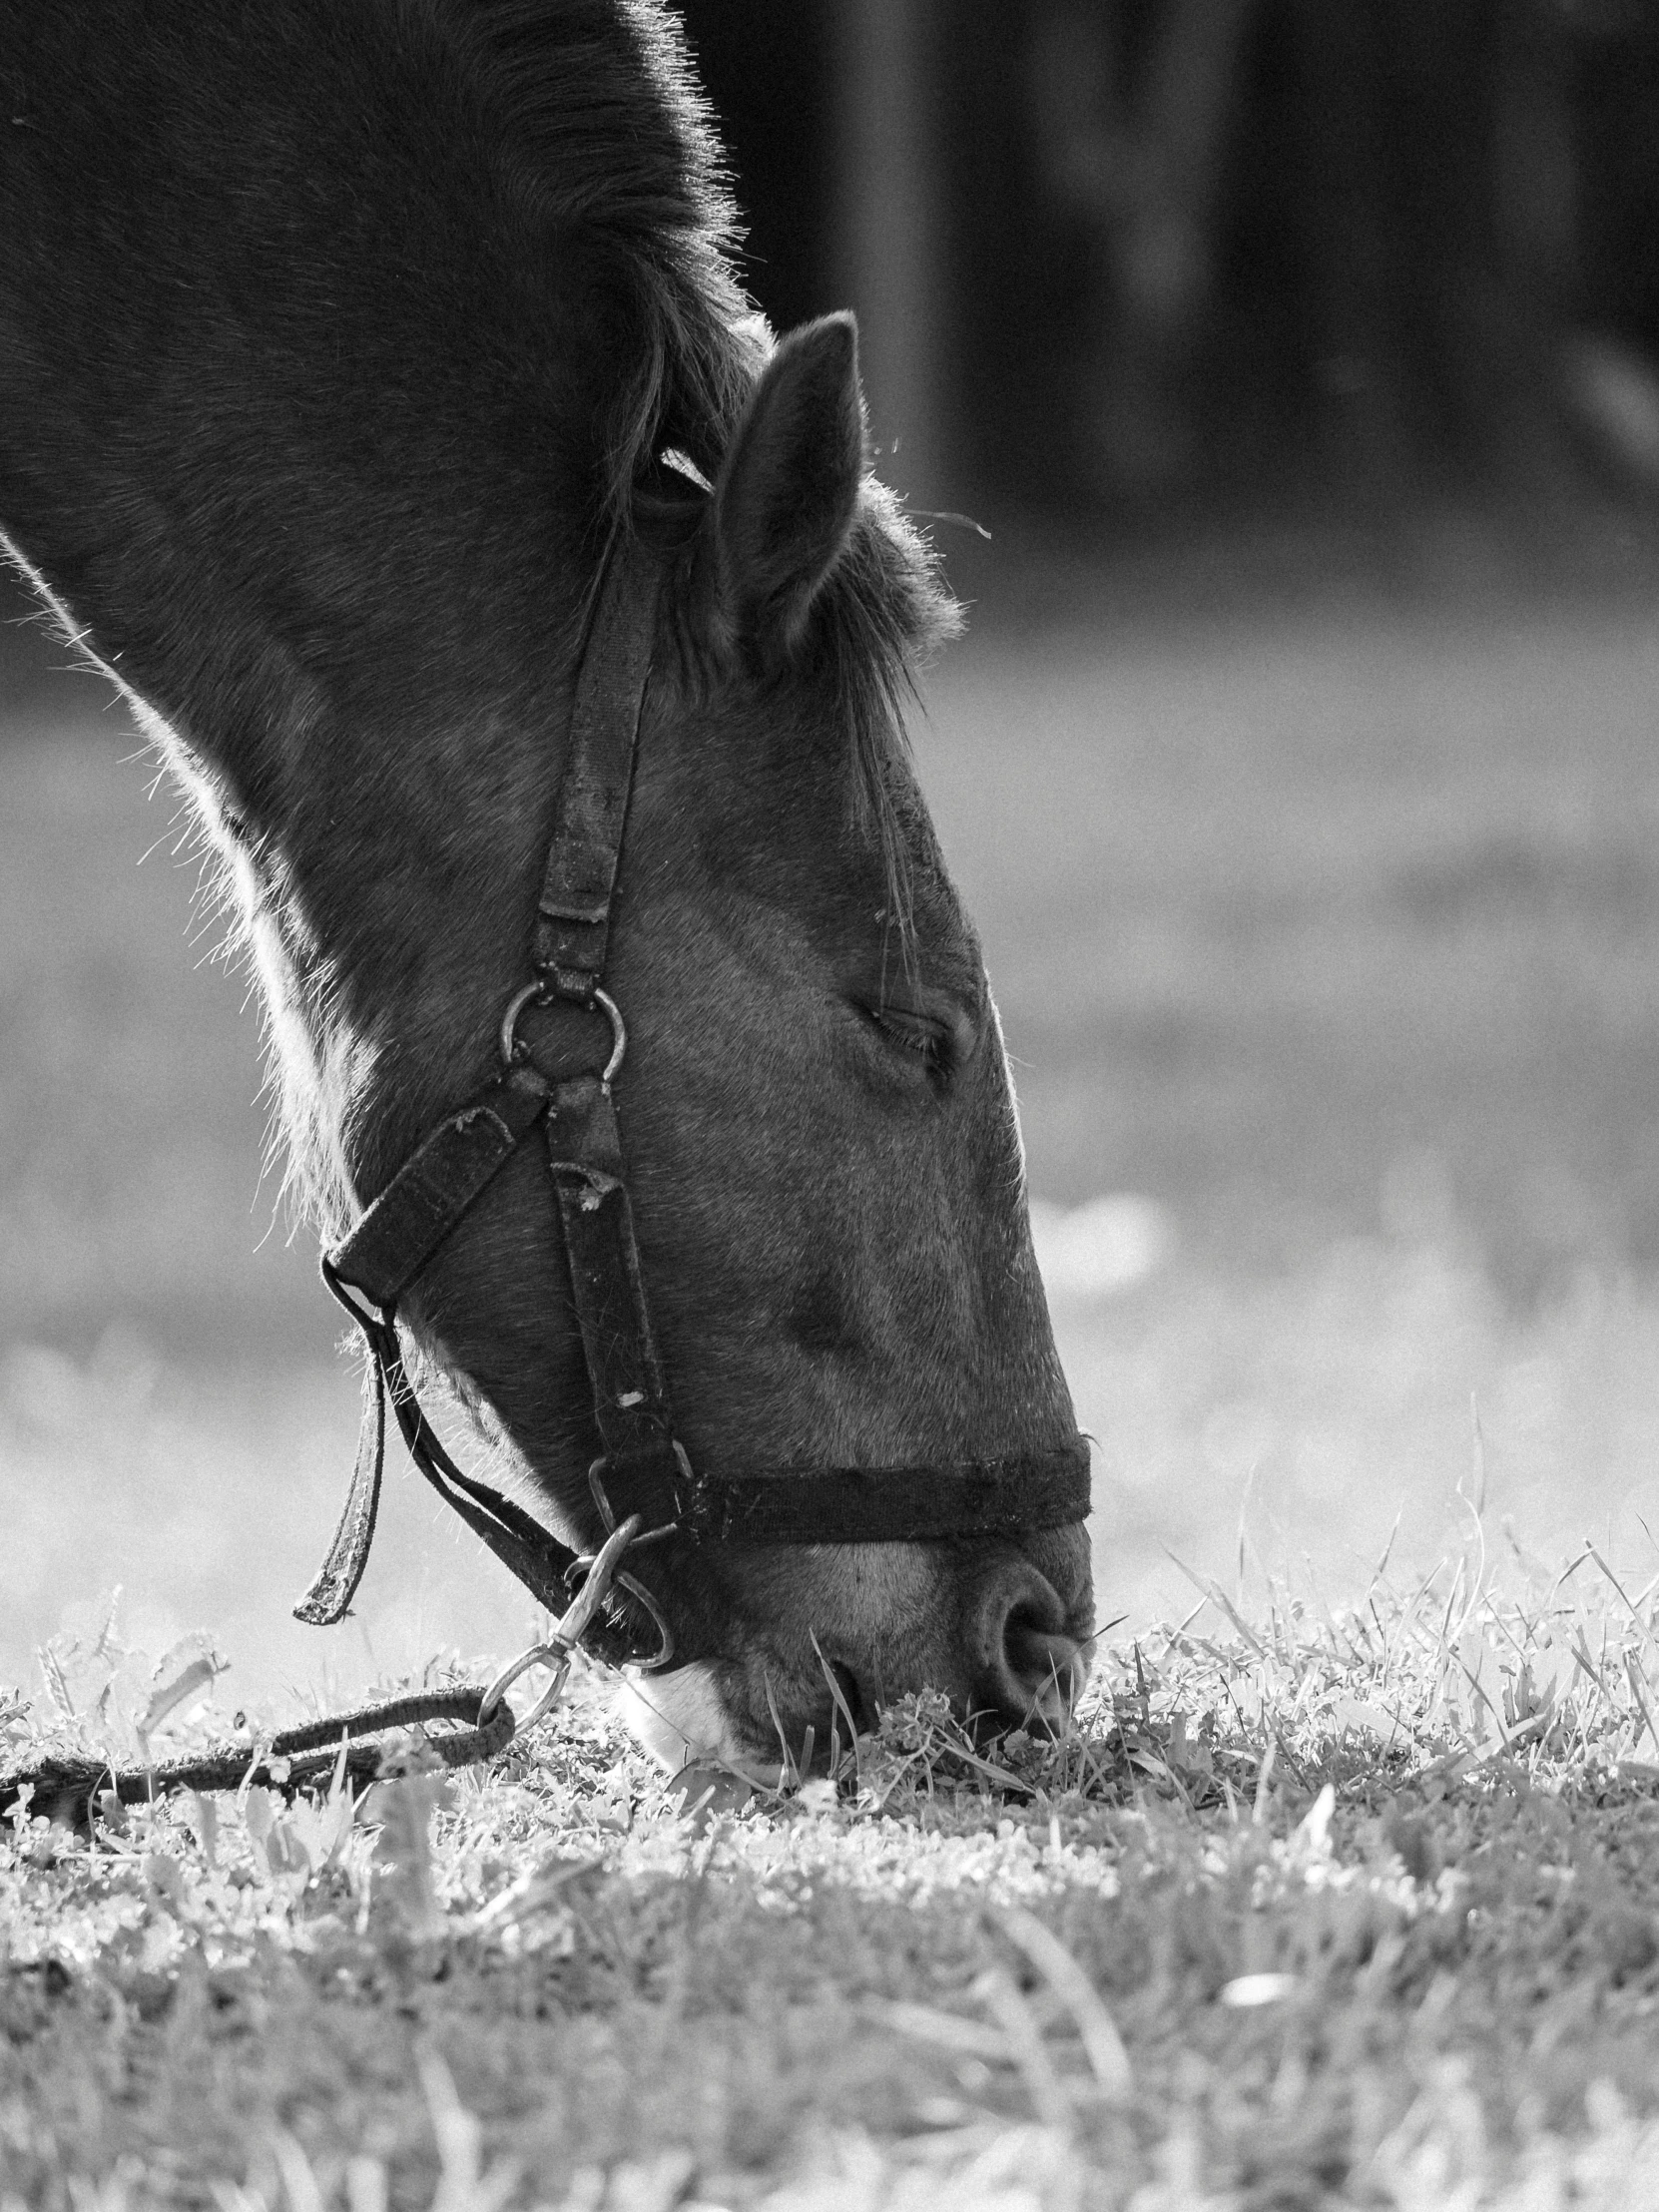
1048, 1669
1029, 1671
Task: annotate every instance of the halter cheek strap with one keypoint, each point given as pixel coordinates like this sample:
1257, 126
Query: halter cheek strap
564, 1089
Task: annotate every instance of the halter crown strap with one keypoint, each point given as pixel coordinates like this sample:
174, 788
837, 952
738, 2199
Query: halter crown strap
573, 916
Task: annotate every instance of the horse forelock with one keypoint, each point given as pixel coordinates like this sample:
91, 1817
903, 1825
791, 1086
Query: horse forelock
597, 122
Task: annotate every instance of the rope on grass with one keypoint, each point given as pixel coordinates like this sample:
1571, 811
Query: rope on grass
298, 1759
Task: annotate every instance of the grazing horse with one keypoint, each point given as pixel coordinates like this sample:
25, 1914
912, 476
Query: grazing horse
342, 344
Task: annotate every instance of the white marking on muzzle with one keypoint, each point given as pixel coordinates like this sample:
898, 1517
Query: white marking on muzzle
680, 1719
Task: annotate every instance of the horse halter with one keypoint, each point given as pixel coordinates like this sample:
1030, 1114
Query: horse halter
642, 1475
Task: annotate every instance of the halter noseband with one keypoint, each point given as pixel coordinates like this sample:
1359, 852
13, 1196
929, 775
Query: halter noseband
642, 1470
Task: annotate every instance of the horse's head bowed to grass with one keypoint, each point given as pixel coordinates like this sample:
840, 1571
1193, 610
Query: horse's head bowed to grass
340, 348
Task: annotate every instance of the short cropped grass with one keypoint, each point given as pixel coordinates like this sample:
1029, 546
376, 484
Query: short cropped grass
1348, 1909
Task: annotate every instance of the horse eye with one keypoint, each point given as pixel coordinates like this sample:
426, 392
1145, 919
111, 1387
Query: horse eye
928, 1039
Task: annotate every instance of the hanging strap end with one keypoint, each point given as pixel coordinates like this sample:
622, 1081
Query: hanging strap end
329, 1597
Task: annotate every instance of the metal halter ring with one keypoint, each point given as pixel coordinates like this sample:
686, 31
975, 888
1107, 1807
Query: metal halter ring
589, 1567
589, 1598
567, 1631
664, 1652
536, 994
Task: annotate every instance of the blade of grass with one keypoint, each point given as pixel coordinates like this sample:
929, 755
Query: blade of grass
1217, 1596
1000, 1998
1102, 2044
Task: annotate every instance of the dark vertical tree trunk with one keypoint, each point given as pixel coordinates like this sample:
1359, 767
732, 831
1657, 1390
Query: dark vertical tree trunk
1161, 250
1352, 261
1434, 202
891, 257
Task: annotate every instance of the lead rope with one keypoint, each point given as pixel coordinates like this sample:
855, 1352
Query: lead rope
300, 1759
308, 1758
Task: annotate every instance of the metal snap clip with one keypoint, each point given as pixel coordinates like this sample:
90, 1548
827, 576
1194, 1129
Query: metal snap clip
566, 1634
553, 1655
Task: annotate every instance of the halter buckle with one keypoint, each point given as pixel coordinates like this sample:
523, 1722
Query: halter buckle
679, 1497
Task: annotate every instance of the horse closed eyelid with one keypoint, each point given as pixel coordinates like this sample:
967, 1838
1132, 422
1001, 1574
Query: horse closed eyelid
914, 1032
938, 1038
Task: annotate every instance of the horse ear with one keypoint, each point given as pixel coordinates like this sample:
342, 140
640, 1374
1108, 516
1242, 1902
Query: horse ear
785, 499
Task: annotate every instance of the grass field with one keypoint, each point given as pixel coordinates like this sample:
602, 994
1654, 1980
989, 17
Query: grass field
1356, 1913
1326, 931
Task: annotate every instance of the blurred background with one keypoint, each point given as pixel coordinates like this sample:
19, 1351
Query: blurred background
1302, 363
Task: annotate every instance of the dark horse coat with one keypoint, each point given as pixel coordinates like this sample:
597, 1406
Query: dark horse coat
338, 340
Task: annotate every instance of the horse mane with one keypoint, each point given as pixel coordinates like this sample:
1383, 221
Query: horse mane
603, 130
598, 127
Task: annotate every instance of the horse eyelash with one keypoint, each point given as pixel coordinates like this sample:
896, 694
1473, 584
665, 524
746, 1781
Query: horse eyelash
911, 1038
926, 1043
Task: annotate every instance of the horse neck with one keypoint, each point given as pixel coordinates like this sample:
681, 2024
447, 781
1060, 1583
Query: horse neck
305, 416
374, 767
400, 802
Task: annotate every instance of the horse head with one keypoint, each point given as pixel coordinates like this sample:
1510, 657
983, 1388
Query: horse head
338, 353
826, 1173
